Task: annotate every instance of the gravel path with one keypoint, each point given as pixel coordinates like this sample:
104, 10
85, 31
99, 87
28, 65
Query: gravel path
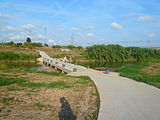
123, 98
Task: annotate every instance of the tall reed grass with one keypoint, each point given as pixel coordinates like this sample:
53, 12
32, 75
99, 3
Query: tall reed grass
8, 55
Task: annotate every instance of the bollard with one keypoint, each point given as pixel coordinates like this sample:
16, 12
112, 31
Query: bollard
74, 69
63, 65
107, 71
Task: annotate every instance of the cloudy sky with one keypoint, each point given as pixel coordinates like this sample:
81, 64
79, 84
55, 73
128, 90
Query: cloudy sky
125, 22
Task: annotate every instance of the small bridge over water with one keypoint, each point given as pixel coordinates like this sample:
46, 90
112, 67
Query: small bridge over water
60, 65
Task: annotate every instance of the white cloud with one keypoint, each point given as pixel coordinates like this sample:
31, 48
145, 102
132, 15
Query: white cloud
90, 35
89, 27
151, 35
116, 26
28, 26
51, 41
75, 29
146, 18
8, 28
38, 36
16, 37
20, 36
22, 27
4, 16
80, 34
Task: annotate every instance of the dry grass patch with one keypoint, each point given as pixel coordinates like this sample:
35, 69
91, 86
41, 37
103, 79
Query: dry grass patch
57, 52
44, 101
18, 49
153, 69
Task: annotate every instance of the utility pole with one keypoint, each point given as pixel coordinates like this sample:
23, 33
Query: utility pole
148, 41
73, 39
45, 34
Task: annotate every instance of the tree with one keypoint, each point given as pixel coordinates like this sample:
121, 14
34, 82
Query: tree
45, 44
56, 46
10, 43
28, 39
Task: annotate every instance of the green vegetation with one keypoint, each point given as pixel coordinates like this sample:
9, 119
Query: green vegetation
28, 39
43, 72
17, 65
8, 100
71, 47
16, 56
58, 84
15, 89
14, 79
27, 44
61, 56
45, 44
31, 45
56, 46
135, 72
4, 81
8, 80
118, 53
94, 116
41, 106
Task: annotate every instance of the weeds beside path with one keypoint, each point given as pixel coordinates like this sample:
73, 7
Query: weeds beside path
147, 72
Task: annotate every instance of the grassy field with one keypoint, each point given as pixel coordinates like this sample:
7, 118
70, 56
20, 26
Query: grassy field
147, 72
9, 55
18, 50
29, 94
76, 54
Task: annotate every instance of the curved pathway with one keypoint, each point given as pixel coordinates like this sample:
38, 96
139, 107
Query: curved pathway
123, 98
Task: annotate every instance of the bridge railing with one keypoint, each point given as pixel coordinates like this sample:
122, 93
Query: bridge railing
62, 65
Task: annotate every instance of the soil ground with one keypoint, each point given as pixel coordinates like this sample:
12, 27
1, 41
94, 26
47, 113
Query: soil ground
57, 52
17, 49
153, 69
19, 102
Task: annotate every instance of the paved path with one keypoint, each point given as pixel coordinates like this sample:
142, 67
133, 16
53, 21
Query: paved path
123, 98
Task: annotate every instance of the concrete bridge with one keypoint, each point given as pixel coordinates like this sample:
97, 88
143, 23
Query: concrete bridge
60, 65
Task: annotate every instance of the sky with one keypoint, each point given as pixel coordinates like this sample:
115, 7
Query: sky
124, 22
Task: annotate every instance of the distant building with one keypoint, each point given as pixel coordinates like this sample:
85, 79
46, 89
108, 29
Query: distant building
65, 50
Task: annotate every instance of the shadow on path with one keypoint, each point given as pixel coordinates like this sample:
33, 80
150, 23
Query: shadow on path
66, 111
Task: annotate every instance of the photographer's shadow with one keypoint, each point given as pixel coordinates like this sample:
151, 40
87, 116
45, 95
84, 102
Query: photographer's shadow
66, 111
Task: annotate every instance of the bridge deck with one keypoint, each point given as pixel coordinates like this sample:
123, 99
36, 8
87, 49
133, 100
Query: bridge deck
63, 66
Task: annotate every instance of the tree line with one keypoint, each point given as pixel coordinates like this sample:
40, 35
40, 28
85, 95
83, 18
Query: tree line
120, 53
27, 44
